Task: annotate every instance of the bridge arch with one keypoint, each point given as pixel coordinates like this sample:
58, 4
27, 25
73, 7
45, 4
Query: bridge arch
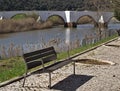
56, 19
86, 19
112, 19
19, 15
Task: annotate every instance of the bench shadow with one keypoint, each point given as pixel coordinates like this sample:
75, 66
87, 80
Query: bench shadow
72, 82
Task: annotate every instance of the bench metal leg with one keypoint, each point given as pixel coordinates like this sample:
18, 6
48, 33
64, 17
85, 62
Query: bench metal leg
49, 86
24, 80
74, 67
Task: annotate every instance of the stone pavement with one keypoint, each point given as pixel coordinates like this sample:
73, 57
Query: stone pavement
88, 77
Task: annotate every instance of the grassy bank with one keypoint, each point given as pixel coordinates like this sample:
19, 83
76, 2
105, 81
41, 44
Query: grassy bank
19, 25
83, 48
13, 67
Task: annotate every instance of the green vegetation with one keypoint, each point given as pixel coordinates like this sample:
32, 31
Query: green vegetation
11, 68
14, 25
83, 48
19, 16
19, 25
117, 14
14, 67
116, 8
32, 15
24, 16
12, 5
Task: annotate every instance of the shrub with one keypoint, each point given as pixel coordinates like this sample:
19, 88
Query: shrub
16, 25
117, 14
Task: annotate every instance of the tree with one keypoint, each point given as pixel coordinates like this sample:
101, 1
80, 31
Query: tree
98, 5
116, 6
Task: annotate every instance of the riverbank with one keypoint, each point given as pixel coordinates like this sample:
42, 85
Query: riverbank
20, 25
14, 67
88, 76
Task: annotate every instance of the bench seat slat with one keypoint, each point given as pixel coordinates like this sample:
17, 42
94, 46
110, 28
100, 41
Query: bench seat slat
37, 52
34, 64
31, 58
47, 53
49, 58
47, 49
31, 53
57, 65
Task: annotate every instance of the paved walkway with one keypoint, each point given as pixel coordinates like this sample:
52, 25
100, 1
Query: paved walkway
88, 77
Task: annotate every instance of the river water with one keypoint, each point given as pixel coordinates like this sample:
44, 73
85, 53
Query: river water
56, 36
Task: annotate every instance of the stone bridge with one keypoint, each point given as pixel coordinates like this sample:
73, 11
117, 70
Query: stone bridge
69, 17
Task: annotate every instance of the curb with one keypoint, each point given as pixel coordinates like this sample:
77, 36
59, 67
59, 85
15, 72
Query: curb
10, 81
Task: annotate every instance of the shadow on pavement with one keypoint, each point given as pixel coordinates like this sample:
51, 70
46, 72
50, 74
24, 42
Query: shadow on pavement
72, 82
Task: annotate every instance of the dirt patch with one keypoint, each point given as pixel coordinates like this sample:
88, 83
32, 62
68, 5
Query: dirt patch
112, 45
92, 61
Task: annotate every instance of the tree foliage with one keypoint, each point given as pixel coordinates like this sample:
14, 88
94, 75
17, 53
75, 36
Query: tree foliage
10, 5
41, 4
116, 6
98, 5
117, 14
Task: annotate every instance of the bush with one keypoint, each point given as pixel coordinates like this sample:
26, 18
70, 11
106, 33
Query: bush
117, 14
16, 25
24, 16
20, 25
33, 15
19, 16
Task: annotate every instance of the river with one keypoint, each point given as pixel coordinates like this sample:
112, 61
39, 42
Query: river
55, 36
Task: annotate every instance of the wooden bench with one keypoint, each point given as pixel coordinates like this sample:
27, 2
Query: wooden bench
41, 59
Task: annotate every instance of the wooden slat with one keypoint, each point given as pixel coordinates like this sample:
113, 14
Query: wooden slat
31, 53
31, 58
49, 58
47, 49
34, 64
58, 65
37, 56
37, 52
47, 53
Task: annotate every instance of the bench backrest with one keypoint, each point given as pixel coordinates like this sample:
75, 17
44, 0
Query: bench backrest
39, 57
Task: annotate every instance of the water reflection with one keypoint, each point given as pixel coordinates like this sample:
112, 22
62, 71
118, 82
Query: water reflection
67, 40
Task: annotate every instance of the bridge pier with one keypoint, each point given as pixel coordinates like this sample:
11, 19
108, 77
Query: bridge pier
70, 24
102, 25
